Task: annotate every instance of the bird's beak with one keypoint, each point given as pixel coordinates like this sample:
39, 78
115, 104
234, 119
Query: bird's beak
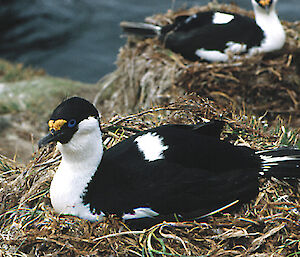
52, 136
55, 132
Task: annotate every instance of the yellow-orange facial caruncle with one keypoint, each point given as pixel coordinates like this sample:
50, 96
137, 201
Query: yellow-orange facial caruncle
56, 125
265, 2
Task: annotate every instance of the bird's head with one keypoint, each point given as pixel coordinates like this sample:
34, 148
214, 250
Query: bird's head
264, 4
69, 117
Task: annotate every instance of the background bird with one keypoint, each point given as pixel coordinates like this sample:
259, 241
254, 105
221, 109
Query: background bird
218, 36
172, 169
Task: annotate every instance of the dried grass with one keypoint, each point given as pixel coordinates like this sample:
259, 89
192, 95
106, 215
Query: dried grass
268, 226
148, 74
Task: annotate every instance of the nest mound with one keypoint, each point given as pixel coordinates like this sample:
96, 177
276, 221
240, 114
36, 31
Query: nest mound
149, 74
268, 226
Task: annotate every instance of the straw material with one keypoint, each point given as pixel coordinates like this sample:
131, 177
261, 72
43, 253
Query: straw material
149, 74
268, 226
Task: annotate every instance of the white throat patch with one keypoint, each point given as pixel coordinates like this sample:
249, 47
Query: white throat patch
80, 159
222, 18
269, 22
152, 146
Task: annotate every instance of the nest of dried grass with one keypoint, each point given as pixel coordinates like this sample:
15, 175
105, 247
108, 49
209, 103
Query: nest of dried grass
149, 74
268, 226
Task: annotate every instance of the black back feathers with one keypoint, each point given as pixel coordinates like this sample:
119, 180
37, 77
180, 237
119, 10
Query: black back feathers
182, 169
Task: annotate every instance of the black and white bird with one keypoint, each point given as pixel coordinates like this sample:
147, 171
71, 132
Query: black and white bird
172, 169
218, 36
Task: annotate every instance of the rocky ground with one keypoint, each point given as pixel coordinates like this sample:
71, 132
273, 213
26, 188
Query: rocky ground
27, 98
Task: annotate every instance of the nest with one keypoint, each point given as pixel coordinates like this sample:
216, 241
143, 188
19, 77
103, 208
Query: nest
150, 74
268, 226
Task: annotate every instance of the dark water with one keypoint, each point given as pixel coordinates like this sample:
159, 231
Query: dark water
79, 39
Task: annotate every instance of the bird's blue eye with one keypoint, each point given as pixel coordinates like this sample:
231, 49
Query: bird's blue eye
71, 123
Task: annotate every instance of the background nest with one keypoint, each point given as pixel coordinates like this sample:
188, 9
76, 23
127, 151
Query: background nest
268, 226
149, 74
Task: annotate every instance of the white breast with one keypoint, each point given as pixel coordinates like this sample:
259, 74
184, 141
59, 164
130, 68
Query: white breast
273, 30
80, 159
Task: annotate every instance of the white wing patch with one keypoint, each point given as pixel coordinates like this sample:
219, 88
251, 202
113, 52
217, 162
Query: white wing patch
140, 213
152, 146
222, 18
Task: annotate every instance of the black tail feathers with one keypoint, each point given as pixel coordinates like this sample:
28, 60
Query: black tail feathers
140, 29
282, 163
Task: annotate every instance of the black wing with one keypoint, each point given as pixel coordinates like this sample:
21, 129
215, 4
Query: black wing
189, 22
198, 174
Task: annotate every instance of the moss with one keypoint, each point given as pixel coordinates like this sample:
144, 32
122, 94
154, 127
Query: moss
36, 96
10, 72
